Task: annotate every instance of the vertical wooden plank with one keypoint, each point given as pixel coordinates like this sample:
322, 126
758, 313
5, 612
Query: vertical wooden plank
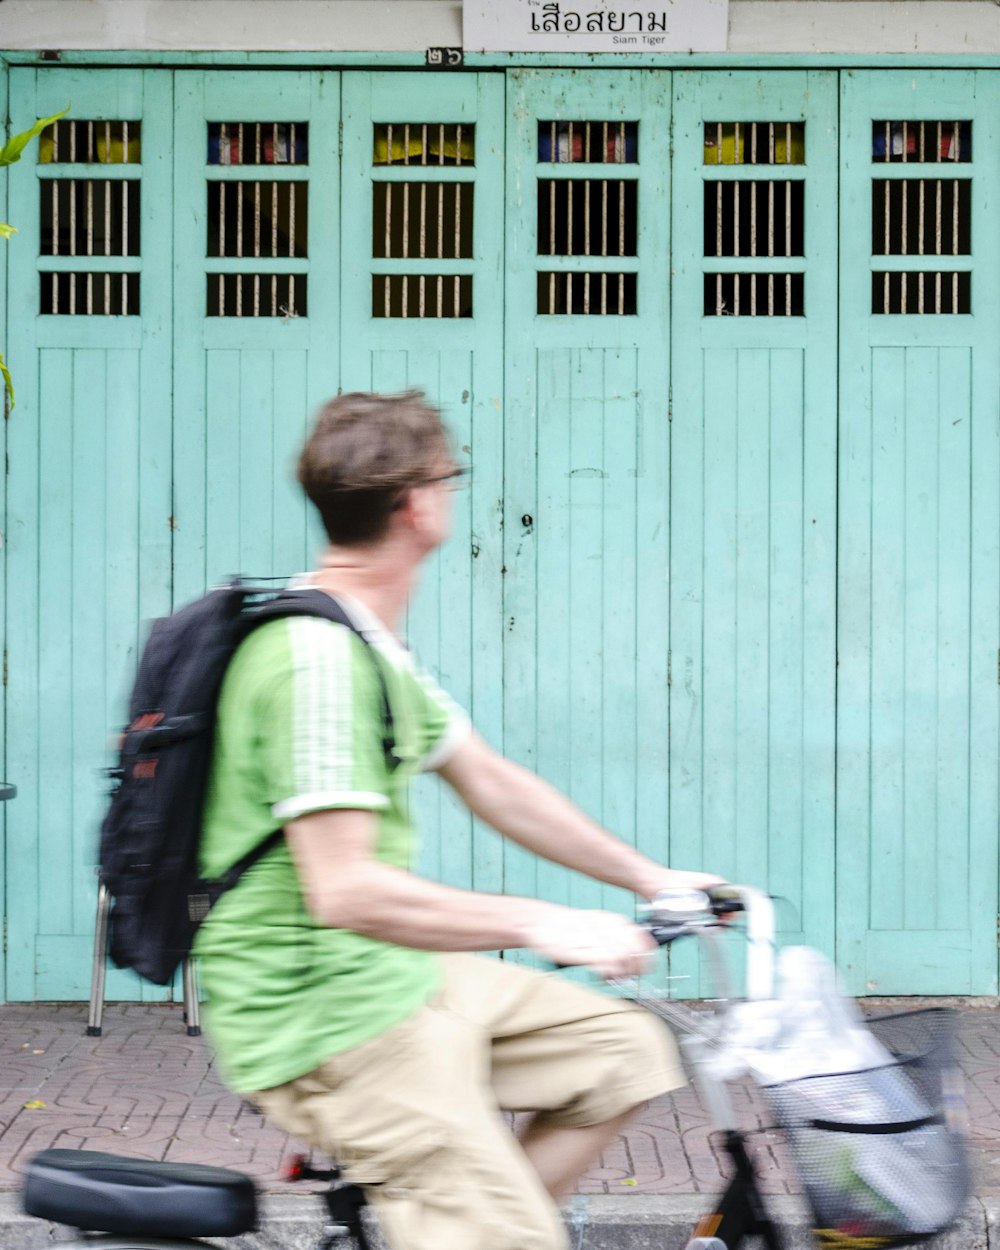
718, 805
487, 496
548, 670
653, 502
920, 642
755, 604
984, 612
948, 865
223, 455
21, 560
456, 375
256, 463
582, 622
136, 583
46, 829
291, 541
689, 499
856, 539
154, 419
89, 607
188, 451
122, 507
888, 713
620, 676
5, 348
786, 660
323, 362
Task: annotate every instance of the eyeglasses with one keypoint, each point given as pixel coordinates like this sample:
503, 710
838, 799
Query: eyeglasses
454, 475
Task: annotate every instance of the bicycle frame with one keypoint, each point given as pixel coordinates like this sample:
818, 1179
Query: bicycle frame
740, 1211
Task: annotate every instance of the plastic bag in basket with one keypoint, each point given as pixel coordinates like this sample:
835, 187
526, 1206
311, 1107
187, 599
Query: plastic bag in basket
864, 1119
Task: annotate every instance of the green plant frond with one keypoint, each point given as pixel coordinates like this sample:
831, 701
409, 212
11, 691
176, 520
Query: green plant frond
11, 151
8, 384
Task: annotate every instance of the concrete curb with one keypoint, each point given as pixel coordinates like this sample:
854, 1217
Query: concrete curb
639, 1222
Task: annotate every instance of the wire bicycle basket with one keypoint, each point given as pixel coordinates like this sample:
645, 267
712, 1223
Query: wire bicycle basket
880, 1151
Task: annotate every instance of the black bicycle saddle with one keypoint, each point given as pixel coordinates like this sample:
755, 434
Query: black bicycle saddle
98, 1192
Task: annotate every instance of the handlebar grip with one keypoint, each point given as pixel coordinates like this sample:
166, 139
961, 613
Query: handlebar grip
726, 899
664, 934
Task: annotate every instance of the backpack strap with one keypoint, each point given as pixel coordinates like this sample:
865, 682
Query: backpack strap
318, 603
301, 603
215, 888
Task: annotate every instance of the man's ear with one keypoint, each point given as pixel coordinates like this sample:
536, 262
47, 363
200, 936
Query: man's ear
411, 508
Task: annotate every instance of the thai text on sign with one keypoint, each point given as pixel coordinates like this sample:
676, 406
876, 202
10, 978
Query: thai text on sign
609, 26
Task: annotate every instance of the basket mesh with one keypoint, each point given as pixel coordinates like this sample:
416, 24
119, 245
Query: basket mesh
880, 1151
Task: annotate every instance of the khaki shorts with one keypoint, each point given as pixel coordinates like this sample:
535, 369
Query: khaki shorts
415, 1112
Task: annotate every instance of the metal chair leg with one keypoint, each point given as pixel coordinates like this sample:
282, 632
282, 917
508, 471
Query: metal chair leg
96, 1013
192, 1012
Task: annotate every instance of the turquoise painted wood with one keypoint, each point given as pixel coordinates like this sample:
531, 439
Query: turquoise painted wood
649, 597
586, 488
918, 599
455, 625
4, 77
87, 533
753, 517
245, 385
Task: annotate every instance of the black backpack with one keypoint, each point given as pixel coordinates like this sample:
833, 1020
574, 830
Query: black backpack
151, 833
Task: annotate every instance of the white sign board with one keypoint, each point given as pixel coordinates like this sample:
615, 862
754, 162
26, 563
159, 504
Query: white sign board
595, 26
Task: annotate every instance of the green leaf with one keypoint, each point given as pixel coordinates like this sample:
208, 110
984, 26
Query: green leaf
12, 150
6, 231
8, 384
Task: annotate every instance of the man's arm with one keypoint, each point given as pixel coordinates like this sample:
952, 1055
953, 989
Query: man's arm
345, 887
534, 814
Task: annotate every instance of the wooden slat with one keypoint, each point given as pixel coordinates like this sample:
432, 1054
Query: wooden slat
620, 576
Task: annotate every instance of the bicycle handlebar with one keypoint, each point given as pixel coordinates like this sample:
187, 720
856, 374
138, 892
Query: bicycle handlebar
674, 914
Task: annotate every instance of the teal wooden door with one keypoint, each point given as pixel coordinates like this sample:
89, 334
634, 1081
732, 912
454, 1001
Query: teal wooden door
918, 601
727, 571
422, 307
88, 537
753, 486
586, 453
256, 317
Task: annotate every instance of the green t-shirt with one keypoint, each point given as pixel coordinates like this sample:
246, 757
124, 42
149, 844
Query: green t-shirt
300, 729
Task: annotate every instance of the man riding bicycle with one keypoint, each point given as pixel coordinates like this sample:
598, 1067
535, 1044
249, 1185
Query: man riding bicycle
341, 995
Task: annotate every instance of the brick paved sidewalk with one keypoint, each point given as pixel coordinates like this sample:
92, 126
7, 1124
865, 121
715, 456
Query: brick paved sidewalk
147, 1089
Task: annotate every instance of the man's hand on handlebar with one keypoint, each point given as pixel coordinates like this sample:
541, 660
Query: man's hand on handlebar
609, 944
678, 879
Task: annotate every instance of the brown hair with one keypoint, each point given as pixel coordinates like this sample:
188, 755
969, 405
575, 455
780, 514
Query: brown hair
364, 452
